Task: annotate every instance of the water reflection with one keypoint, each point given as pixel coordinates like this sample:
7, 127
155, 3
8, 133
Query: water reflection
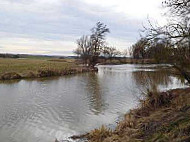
150, 78
95, 94
10, 81
156, 79
49, 108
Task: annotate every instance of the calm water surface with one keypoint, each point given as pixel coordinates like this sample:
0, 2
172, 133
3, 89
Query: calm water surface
44, 109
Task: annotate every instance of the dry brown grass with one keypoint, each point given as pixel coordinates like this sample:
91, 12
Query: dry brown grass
161, 117
127, 61
32, 68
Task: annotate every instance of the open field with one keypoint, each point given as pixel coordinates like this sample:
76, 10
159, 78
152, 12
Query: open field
31, 68
11, 68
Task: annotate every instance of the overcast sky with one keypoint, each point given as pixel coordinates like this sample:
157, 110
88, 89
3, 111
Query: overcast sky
51, 27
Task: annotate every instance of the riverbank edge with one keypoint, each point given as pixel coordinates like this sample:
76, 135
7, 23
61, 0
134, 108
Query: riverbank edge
47, 73
128, 61
162, 116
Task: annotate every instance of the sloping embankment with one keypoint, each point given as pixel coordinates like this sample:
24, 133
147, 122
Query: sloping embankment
161, 117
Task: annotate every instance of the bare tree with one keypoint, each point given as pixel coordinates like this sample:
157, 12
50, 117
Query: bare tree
90, 47
84, 48
179, 8
98, 40
138, 49
177, 32
178, 28
111, 52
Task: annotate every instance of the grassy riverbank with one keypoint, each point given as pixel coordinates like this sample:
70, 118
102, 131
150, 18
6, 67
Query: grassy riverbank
118, 61
161, 117
34, 68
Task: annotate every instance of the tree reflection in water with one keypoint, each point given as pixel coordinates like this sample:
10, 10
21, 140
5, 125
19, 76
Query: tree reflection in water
153, 80
95, 95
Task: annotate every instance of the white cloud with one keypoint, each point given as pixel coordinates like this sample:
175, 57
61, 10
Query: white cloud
52, 26
122, 43
137, 8
36, 46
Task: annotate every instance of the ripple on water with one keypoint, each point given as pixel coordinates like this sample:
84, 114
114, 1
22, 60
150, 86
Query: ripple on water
45, 109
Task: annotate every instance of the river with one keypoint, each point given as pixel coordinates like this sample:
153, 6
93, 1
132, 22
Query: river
41, 110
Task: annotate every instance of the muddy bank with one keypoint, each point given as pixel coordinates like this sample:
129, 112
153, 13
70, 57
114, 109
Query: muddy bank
161, 116
46, 73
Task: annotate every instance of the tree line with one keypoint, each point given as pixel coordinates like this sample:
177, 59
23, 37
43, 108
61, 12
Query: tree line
168, 44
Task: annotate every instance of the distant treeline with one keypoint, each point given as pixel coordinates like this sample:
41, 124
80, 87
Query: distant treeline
7, 55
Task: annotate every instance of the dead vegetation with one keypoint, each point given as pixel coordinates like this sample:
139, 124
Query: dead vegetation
118, 61
10, 75
161, 117
46, 73
37, 68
